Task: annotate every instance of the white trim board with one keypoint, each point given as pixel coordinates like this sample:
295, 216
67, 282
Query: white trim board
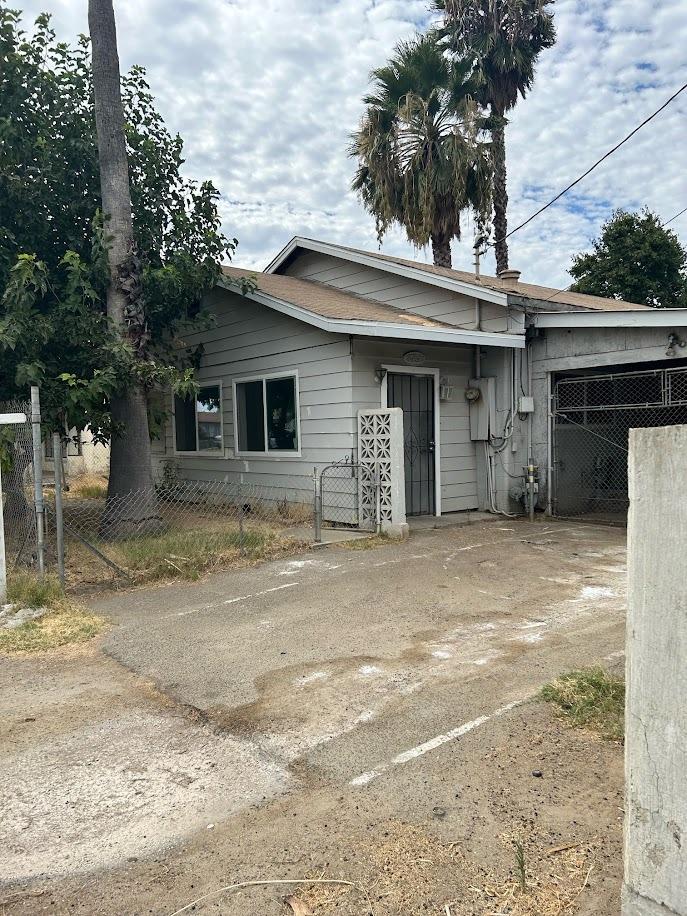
436, 375
641, 318
359, 328
401, 270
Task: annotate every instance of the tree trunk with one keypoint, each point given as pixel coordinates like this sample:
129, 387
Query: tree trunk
498, 137
441, 250
130, 453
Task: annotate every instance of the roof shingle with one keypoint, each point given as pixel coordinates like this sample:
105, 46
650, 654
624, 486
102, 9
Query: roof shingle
330, 302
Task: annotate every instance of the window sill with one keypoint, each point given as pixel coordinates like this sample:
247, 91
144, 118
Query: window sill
208, 454
269, 455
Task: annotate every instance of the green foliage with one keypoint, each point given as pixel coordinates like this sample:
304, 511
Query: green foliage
422, 157
53, 272
635, 259
505, 39
590, 698
28, 590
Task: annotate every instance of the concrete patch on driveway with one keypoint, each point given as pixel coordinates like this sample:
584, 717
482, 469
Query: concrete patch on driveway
123, 777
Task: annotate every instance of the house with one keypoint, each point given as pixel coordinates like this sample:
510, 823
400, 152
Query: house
487, 371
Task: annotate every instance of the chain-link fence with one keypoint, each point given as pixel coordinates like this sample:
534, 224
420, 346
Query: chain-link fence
16, 456
592, 417
182, 528
346, 496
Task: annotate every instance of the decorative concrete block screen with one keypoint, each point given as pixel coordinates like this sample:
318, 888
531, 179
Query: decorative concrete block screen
381, 481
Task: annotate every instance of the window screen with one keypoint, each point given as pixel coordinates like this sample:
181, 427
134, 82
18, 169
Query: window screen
281, 414
198, 421
250, 412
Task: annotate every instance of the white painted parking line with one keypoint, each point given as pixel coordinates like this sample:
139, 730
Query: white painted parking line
364, 778
210, 607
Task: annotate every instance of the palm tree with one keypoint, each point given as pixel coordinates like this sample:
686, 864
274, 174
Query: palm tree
421, 156
130, 453
506, 38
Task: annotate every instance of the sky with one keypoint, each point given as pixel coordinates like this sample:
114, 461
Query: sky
266, 94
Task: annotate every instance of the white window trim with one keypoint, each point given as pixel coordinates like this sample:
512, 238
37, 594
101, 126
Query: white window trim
205, 453
264, 377
436, 375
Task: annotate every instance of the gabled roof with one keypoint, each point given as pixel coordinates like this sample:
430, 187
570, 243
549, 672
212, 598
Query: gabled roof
347, 313
330, 302
485, 287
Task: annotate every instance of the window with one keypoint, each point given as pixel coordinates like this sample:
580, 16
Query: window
198, 421
267, 415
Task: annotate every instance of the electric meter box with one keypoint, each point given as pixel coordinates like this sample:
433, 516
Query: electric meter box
526, 405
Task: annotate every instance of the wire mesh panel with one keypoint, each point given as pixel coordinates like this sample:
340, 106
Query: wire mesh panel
183, 528
592, 417
340, 494
16, 455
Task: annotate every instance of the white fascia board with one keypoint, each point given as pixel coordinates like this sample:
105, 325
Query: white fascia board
641, 318
360, 328
402, 270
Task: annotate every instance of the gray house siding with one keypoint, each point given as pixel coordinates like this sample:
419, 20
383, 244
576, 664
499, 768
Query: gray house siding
412, 295
248, 339
458, 461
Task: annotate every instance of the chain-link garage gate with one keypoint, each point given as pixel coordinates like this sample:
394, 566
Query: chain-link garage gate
592, 416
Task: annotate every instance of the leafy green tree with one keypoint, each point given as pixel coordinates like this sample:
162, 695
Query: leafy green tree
505, 38
54, 327
422, 159
635, 259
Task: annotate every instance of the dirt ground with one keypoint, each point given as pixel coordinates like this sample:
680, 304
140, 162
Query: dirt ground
222, 733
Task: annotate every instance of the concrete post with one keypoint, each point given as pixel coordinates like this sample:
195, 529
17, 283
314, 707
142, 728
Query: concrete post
655, 881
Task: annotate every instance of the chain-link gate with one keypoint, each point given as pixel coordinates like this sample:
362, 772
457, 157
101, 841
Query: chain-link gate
592, 417
345, 496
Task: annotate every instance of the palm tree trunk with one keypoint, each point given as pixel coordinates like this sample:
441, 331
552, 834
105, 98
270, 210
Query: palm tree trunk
498, 137
441, 250
130, 453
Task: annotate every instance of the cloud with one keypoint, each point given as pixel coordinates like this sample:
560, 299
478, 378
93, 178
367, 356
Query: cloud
266, 94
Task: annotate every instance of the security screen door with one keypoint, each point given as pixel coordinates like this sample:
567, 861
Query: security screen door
414, 394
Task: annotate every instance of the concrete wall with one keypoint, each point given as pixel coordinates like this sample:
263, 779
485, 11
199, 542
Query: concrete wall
656, 708
561, 349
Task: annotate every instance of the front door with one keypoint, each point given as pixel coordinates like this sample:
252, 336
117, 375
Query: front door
414, 394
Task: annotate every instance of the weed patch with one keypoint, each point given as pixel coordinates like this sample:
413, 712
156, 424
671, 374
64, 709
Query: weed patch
63, 622
590, 698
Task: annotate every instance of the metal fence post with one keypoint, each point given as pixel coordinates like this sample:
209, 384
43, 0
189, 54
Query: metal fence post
38, 478
242, 546
3, 564
317, 506
59, 519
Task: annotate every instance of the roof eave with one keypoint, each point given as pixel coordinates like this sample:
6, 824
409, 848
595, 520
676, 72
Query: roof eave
401, 270
626, 318
387, 329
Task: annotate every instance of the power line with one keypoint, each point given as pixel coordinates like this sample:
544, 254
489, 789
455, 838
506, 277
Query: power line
591, 168
675, 217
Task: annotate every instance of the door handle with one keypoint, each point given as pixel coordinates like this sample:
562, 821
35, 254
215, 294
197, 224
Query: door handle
430, 446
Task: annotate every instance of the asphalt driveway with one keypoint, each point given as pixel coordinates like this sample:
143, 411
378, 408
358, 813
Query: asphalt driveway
449, 626
323, 714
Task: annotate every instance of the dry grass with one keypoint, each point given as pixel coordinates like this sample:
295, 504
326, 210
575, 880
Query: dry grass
590, 698
367, 543
177, 554
87, 486
64, 623
411, 872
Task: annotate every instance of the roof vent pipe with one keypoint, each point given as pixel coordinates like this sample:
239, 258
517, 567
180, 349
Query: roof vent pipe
509, 277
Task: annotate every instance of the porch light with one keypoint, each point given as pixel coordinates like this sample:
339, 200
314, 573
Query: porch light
380, 374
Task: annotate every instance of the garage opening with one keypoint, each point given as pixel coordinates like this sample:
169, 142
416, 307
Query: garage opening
592, 415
